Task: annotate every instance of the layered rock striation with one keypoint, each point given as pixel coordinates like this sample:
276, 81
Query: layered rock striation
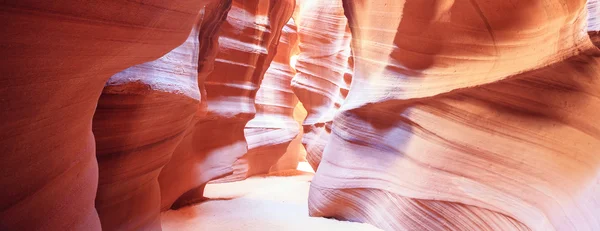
594, 21
57, 56
141, 117
444, 115
323, 71
177, 174
466, 115
247, 41
273, 127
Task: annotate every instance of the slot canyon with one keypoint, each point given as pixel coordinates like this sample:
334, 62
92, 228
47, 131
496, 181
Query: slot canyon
424, 115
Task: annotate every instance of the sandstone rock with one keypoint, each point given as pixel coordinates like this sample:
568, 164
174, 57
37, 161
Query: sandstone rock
57, 55
594, 21
172, 179
295, 152
466, 115
593, 7
246, 46
273, 127
321, 82
141, 117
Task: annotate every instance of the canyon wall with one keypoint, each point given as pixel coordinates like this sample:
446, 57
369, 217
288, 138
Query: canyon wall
445, 115
140, 119
593, 15
295, 152
594, 21
466, 115
322, 82
57, 56
247, 41
214, 15
273, 127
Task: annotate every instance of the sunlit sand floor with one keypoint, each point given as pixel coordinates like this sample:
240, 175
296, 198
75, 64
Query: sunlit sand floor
273, 202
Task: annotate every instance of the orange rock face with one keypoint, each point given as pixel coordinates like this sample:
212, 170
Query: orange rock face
140, 119
419, 114
172, 180
246, 44
57, 55
323, 76
295, 152
466, 115
273, 127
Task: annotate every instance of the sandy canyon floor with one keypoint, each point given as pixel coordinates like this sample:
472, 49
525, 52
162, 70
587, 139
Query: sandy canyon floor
275, 202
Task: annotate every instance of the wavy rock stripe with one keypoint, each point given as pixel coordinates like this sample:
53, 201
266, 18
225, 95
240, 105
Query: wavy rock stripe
594, 21
321, 84
514, 148
415, 49
178, 173
140, 119
247, 42
593, 7
57, 56
514, 153
273, 127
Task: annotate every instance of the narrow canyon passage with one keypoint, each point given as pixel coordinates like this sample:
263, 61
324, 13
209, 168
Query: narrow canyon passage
395, 115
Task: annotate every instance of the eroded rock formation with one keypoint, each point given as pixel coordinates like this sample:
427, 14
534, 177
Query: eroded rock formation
295, 152
594, 21
323, 69
462, 114
247, 42
171, 179
57, 55
272, 129
466, 115
140, 119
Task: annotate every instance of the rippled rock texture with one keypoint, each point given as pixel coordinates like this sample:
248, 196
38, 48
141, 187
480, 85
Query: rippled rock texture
593, 15
323, 67
466, 115
171, 179
57, 56
273, 127
140, 119
247, 41
420, 114
594, 21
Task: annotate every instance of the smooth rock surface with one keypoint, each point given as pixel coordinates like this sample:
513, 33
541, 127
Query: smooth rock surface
273, 127
466, 115
594, 21
295, 152
593, 7
140, 119
57, 55
177, 175
247, 41
324, 73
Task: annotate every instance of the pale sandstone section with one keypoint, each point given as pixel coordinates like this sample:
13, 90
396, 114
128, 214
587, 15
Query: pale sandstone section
593, 15
594, 21
466, 115
295, 152
321, 83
